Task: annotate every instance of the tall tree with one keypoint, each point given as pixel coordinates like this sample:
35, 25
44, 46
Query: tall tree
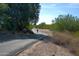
3, 8
23, 14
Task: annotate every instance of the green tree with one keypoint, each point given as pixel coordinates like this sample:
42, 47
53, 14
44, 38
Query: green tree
41, 25
3, 8
44, 26
67, 22
21, 15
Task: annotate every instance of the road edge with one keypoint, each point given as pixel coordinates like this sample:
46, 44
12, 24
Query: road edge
17, 51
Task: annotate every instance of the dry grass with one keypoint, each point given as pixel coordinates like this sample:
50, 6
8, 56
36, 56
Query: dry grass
56, 42
46, 48
67, 40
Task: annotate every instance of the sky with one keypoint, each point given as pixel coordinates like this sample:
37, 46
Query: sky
49, 11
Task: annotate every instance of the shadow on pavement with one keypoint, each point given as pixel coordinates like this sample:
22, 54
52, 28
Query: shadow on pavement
4, 37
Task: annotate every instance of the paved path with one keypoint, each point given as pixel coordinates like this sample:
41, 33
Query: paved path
39, 32
7, 47
17, 42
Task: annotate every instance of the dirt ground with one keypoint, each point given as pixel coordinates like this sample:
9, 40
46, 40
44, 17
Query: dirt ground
46, 47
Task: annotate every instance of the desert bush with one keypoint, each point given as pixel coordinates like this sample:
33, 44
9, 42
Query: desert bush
68, 41
66, 22
76, 34
44, 26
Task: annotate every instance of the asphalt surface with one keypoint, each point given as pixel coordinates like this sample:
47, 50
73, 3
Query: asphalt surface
16, 42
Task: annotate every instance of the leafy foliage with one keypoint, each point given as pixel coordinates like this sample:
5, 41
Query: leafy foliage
66, 22
44, 26
17, 16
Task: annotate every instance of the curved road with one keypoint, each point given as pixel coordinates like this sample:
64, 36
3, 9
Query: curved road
8, 47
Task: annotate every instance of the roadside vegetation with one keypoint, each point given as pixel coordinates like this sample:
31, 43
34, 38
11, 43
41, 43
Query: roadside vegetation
16, 17
65, 31
67, 23
44, 26
19, 17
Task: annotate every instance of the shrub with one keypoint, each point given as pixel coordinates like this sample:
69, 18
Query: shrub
66, 22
